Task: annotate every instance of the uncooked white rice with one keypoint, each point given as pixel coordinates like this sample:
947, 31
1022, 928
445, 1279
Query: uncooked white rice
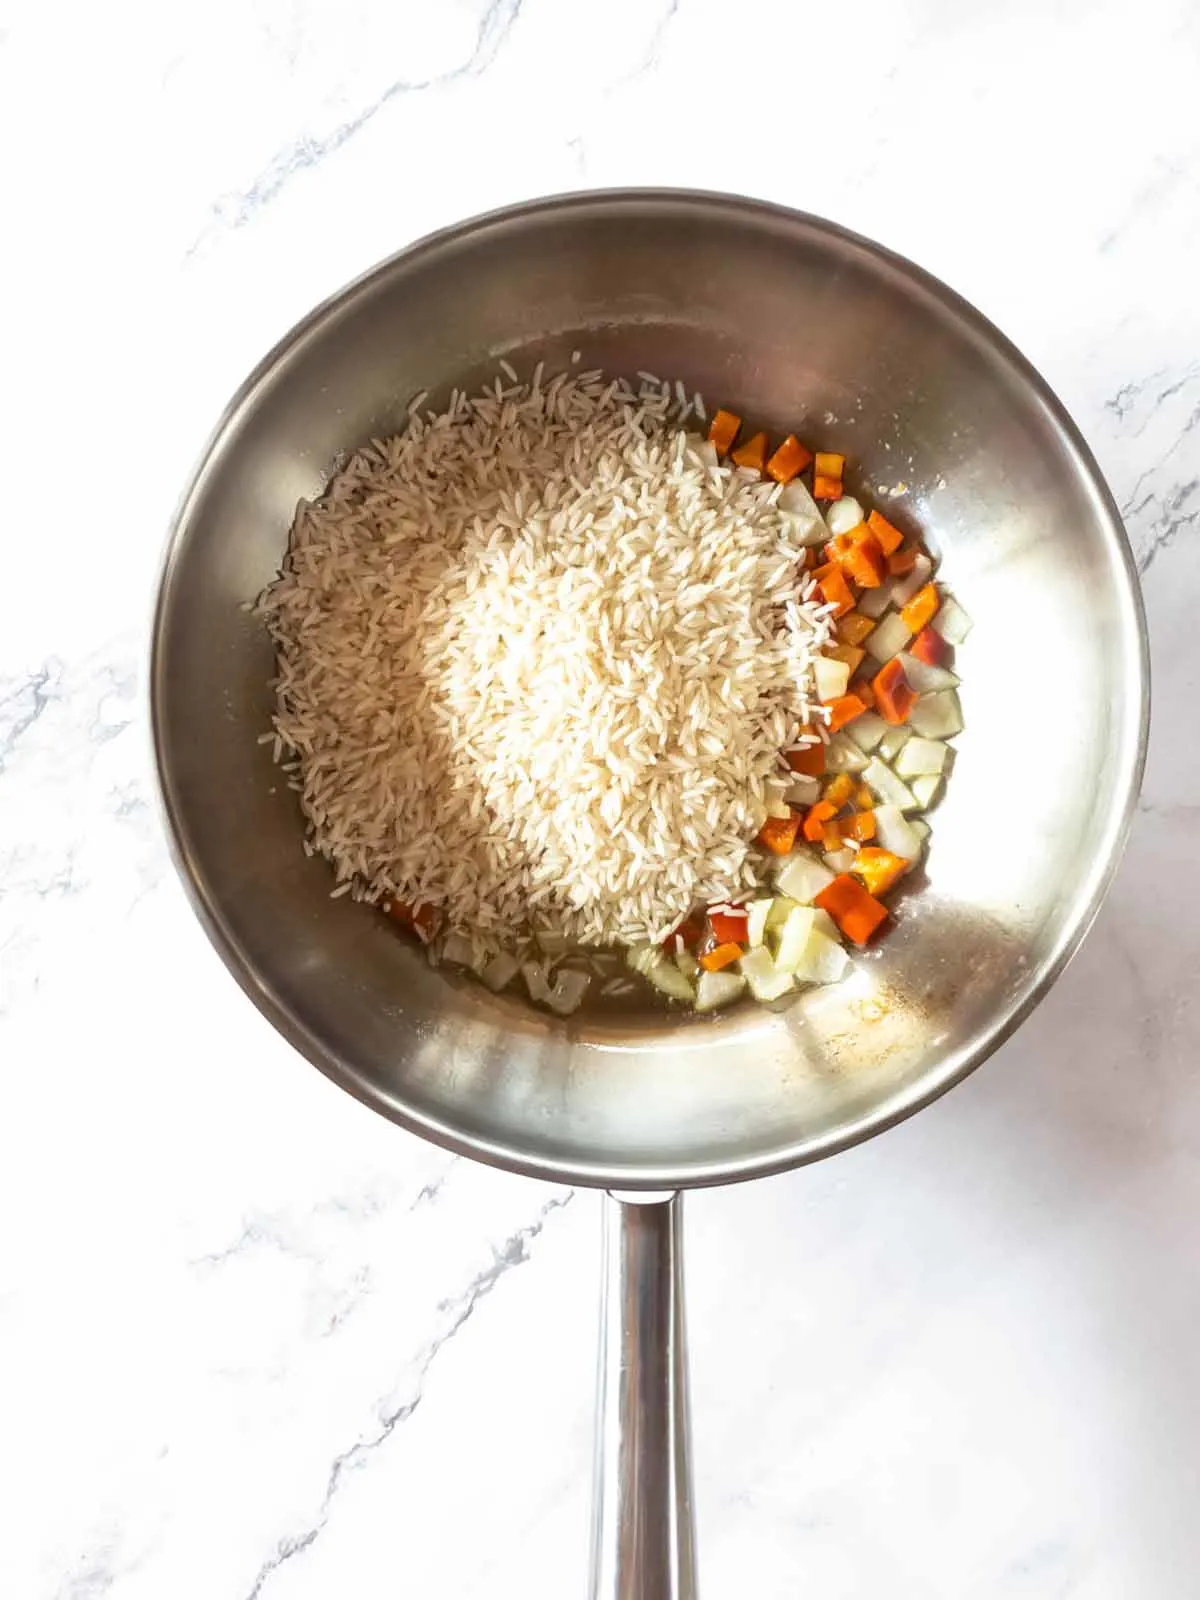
536, 658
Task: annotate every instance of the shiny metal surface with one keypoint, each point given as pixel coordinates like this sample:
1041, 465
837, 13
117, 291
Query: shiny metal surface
784, 318
790, 321
643, 1540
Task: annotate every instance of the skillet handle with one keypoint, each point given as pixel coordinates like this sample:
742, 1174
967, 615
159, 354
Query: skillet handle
643, 1543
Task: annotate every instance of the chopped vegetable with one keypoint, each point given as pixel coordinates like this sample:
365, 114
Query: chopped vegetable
808, 760
718, 989
953, 623
830, 677
723, 955
793, 937
839, 790
893, 742
834, 589
938, 716
924, 678
687, 964
752, 455
827, 488
868, 729
788, 460
843, 710
890, 789
860, 826
723, 430
904, 588
500, 971
801, 878
901, 562
862, 688
796, 502
778, 914
856, 912
925, 789
852, 654
757, 913
930, 647
418, 919
566, 994
863, 798
803, 792
839, 860
921, 758
831, 837
860, 559
887, 536
814, 822
843, 755
879, 869
764, 977
729, 927
844, 514
828, 464
892, 693
659, 970
874, 602
854, 628
824, 959
921, 609
778, 835
534, 973
894, 832
889, 637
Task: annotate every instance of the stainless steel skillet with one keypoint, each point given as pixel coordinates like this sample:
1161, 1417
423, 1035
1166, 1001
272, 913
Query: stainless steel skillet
804, 327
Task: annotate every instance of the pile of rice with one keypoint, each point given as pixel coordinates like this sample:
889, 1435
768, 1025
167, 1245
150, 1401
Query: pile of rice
538, 659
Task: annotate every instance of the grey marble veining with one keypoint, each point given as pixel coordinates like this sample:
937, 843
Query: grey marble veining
253, 1341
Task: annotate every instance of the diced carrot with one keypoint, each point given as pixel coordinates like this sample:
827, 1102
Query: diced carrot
690, 930
828, 464
901, 562
834, 589
788, 460
850, 654
808, 761
838, 790
859, 825
856, 912
893, 695
728, 926
879, 869
831, 836
723, 430
752, 454
860, 559
808, 560
723, 956
853, 629
863, 798
827, 488
778, 834
816, 819
843, 710
922, 608
929, 647
417, 919
862, 688
889, 537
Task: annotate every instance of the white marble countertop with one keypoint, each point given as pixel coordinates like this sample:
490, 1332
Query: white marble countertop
255, 1342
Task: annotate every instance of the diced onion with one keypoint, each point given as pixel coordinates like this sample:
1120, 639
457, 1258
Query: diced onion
796, 502
843, 755
458, 950
803, 791
867, 730
500, 971
874, 602
801, 877
843, 515
904, 588
839, 860
923, 677
925, 789
893, 742
766, 981
921, 758
937, 716
568, 992
889, 638
831, 677
952, 622
757, 913
718, 989
889, 788
894, 832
